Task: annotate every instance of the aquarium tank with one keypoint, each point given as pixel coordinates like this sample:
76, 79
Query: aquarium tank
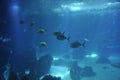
59, 40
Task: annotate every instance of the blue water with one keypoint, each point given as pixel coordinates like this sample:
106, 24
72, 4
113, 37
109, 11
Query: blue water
95, 22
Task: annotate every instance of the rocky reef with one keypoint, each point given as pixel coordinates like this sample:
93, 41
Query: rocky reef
77, 72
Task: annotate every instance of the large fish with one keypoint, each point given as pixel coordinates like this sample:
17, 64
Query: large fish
57, 33
60, 36
77, 44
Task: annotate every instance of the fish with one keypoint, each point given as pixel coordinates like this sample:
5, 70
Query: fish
44, 44
41, 31
60, 36
57, 33
77, 44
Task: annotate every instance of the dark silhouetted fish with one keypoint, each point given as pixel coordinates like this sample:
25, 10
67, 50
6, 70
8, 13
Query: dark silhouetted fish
77, 44
60, 36
57, 33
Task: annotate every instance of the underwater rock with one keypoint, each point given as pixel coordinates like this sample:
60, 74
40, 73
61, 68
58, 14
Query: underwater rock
28, 77
49, 77
75, 71
88, 72
13, 75
24, 61
103, 60
27, 61
44, 65
4, 58
116, 65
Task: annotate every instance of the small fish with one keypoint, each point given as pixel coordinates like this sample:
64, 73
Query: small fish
77, 44
41, 31
44, 44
